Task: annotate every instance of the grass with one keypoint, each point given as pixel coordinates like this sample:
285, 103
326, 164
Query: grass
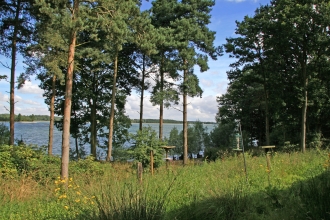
297, 188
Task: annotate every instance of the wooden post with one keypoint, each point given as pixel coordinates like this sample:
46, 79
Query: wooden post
152, 162
167, 148
268, 153
139, 172
268, 165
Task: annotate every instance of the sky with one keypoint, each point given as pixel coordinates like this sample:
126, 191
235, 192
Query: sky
29, 99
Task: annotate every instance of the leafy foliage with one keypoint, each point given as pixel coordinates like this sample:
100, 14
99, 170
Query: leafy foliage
277, 84
143, 142
198, 138
4, 134
19, 160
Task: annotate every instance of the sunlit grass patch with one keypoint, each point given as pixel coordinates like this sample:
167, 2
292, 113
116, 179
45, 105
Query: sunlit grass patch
199, 190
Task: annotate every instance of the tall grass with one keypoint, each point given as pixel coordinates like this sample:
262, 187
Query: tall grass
298, 188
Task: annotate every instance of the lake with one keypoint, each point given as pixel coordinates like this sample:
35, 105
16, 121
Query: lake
37, 133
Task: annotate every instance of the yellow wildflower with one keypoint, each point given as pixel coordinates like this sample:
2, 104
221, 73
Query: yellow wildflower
66, 207
62, 196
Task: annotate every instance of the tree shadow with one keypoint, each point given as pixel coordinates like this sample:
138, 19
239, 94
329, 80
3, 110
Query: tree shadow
307, 199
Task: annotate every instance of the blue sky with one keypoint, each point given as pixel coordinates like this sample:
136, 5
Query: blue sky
29, 99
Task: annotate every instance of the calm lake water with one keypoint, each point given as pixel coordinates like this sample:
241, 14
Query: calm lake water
37, 133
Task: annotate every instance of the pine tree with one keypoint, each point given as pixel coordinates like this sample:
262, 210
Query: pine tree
192, 35
16, 29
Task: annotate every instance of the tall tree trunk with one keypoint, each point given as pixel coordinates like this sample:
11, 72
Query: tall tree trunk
68, 97
113, 102
185, 121
77, 147
12, 75
304, 109
142, 92
267, 119
161, 105
51, 121
266, 93
93, 128
75, 131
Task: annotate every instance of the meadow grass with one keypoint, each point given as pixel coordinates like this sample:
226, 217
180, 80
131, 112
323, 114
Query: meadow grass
296, 187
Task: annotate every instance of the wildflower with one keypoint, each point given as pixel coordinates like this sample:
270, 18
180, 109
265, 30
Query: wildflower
57, 189
78, 193
77, 200
62, 196
66, 207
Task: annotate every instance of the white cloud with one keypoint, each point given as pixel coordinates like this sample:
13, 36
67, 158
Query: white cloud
23, 105
203, 109
3, 97
221, 88
32, 110
206, 83
18, 98
133, 107
30, 102
30, 88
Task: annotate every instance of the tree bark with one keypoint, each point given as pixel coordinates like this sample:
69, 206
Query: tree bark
51, 120
75, 130
267, 120
112, 113
185, 121
12, 75
142, 93
304, 109
68, 97
93, 128
161, 105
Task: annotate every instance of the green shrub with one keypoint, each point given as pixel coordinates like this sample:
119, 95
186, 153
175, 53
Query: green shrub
16, 160
88, 166
4, 134
145, 141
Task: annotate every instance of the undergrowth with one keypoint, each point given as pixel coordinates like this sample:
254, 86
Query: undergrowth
295, 186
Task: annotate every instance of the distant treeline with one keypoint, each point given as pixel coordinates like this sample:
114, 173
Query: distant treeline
19, 117
167, 121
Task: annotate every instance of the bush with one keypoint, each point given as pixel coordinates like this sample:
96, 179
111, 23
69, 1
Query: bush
87, 166
214, 153
4, 134
145, 141
16, 160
